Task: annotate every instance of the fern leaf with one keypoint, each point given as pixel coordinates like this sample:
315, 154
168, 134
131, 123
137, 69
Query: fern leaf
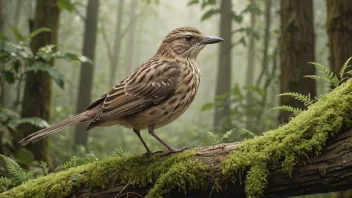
344, 67
18, 175
294, 110
69, 164
4, 183
327, 74
300, 97
45, 167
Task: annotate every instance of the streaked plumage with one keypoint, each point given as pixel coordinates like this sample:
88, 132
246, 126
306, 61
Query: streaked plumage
152, 96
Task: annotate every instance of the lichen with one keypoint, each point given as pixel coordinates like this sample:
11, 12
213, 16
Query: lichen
305, 133
133, 170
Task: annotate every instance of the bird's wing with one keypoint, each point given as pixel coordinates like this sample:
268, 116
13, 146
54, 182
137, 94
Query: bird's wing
146, 87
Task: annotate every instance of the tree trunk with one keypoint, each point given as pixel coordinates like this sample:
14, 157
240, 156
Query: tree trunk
2, 25
117, 44
296, 49
130, 48
250, 68
37, 92
223, 84
339, 29
87, 69
17, 13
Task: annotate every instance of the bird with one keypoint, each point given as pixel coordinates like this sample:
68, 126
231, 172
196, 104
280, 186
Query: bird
152, 96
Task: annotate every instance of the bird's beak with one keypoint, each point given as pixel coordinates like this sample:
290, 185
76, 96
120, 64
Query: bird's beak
211, 40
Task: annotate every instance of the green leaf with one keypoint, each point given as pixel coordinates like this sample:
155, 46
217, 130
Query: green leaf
38, 31
4, 183
294, 110
53, 72
9, 76
18, 175
3, 38
75, 57
207, 106
65, 5
17, 33
300, 97
208, 14
237, 18
192, 2
344, 67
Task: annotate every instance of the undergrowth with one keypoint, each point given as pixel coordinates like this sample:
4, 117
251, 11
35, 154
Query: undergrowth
175, 171
307, 132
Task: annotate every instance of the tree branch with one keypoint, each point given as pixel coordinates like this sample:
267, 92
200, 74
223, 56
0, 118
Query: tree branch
328, 172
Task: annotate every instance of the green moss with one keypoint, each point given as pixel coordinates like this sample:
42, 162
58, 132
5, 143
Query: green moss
305, 133
132, 170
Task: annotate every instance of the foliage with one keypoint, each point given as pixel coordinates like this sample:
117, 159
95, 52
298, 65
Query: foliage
219, 139
307, 132
170, 172
17, 60
240, 112
69, 164
212, 10
17, 174
326, 74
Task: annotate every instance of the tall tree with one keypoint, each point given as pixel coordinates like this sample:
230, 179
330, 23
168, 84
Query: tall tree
37, 91
296, 49
130, 48
2, 16
117, 43
223, 83
339, 29
250, 63
86, 72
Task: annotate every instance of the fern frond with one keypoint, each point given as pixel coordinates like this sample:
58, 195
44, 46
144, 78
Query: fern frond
69, 164
300, 97
344, 67
4, 183
294, 110
327, 74
18, 175
45, 167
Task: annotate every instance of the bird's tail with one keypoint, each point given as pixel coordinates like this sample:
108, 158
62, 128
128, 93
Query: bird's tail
80, 118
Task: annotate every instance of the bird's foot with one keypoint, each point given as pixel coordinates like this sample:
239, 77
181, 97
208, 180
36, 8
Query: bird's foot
148, 153
172, 150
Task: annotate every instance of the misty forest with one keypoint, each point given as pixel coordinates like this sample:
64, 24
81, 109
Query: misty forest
271, 92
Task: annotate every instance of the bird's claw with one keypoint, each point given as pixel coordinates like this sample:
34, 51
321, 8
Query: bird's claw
171, 151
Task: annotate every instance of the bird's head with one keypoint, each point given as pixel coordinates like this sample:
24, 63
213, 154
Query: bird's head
185, 42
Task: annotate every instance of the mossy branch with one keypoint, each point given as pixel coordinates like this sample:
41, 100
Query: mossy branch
307, 155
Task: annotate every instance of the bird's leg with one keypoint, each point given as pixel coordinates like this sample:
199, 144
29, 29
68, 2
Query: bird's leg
169, 148
138, 133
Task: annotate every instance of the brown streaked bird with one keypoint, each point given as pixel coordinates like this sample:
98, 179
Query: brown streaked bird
152, 96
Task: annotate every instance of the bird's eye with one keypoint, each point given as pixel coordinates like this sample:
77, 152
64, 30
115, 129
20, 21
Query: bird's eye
188, 37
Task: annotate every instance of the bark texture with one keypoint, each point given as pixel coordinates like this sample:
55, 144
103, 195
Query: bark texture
87, 69
223, 84
296, 50
37, 92
339, 29
328, 172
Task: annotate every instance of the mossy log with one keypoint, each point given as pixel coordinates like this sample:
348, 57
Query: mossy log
311, 154
329, 172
